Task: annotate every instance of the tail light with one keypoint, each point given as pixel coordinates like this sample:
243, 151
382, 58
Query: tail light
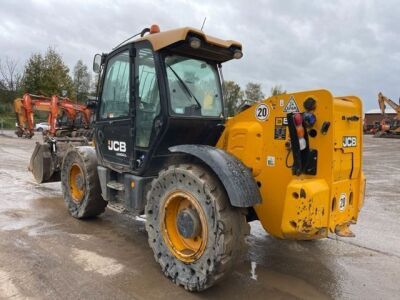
304, 158
298, 122
298, 119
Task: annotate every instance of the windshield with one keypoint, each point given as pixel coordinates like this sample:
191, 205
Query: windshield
194, 87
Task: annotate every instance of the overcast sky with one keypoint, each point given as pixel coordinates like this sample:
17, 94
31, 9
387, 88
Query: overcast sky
348, 47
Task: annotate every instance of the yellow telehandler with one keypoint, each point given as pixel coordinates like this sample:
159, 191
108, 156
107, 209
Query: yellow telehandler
163, 147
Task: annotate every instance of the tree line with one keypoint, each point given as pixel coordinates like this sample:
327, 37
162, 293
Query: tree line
235, 97
48, 75
44, 75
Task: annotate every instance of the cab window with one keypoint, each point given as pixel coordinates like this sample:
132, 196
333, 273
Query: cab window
194, 87
115, 95
148, 104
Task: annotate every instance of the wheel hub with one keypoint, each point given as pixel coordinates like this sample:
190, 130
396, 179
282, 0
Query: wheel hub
76, 183
79, 181
188, 223
184, 226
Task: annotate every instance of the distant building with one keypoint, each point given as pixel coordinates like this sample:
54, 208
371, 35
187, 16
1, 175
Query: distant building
374, 116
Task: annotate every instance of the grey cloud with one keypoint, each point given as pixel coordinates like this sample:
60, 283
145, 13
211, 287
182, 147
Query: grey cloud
349, 47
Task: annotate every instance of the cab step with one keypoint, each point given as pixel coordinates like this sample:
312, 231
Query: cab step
117, 207
115, 185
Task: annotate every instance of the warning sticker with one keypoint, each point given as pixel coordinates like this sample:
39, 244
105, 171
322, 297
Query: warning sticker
262, 112
281, 121
342, 201
291, 106
280, 132
271, 161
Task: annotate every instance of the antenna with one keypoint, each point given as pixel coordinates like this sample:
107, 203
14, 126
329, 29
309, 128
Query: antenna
205, 18
142, 33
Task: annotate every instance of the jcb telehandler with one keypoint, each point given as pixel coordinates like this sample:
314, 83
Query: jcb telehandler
164, 148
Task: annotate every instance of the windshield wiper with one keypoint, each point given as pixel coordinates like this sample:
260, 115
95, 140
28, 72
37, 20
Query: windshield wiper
187, 90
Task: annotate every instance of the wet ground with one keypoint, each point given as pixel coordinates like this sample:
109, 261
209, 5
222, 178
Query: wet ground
45, 253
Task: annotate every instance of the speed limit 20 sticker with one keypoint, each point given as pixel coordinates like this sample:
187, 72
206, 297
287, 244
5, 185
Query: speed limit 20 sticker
262, 112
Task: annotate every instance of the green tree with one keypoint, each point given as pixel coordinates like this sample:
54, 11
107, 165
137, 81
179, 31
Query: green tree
277, 90
47, 75
253, 92
233, 96
82, 80
33, 75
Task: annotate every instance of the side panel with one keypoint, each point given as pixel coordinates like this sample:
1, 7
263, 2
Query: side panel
239, 184
114, 141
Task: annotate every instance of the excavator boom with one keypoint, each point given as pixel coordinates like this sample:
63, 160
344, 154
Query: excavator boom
383, 100
388, 127
24, 108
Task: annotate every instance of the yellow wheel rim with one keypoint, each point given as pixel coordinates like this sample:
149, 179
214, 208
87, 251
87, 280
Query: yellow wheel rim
186, 249
77, 183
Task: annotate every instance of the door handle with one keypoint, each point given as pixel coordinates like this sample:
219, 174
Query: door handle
157, 123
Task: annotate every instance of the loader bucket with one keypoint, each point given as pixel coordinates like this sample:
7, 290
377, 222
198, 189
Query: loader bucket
43, 165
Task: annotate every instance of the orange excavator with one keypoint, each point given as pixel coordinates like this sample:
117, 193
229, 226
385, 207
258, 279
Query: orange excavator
59, 108
388, 127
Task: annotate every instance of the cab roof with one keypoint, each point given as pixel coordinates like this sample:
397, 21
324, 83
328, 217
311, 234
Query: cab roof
164, 39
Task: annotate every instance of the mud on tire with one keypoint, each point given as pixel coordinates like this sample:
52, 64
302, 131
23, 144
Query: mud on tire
226, 227
91, 202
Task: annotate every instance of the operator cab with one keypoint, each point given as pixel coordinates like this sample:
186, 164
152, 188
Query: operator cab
162, 90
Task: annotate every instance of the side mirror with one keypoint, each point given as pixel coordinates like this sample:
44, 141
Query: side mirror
91, 104
96, 63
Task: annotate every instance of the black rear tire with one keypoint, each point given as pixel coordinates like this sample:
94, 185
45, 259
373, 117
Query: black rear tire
226, 227
91, 203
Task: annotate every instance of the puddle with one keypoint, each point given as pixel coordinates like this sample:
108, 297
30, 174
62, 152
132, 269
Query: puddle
82, 237
253, 274
93, 262
7, 288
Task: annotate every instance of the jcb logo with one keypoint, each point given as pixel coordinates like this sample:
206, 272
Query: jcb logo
349, 141
117, 146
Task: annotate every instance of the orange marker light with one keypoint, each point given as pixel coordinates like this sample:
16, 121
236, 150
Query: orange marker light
300, 131
154, 29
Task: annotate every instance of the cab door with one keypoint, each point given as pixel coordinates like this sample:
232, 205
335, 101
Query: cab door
113, 129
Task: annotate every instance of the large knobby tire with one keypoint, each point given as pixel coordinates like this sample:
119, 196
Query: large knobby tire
80, 183
217, 246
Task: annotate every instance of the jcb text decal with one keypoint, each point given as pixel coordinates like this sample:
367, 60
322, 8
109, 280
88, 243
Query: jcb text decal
118, 146
349, 141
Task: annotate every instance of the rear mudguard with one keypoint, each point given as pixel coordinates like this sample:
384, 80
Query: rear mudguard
237, 179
